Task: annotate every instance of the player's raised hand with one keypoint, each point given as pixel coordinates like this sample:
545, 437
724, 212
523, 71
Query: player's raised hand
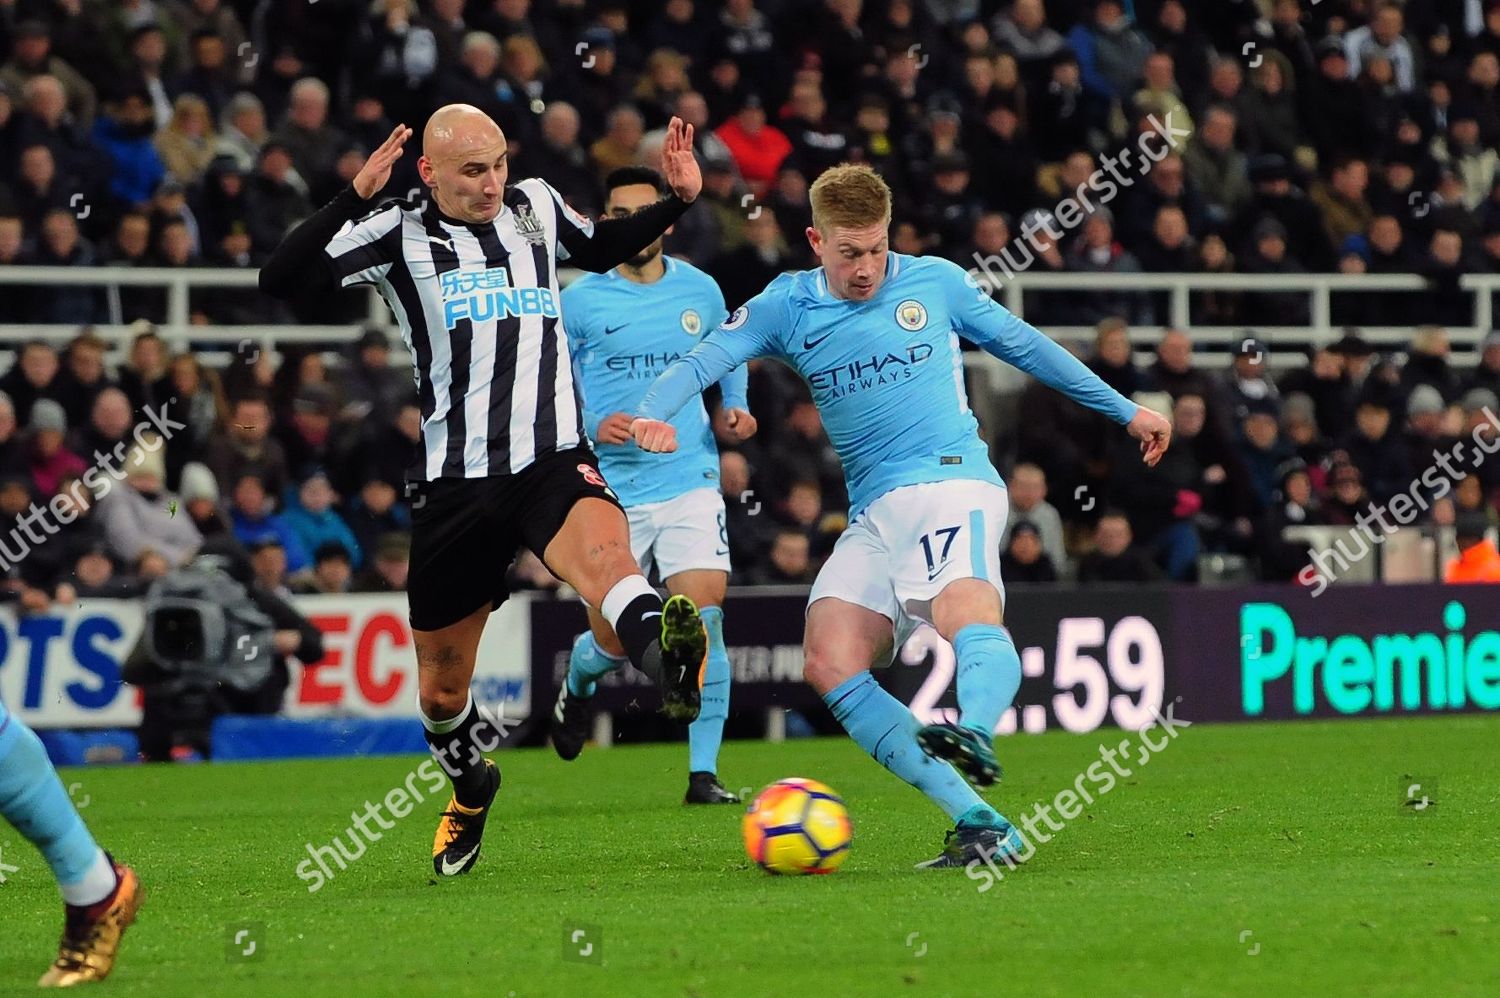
371, 178
678, 164
654, 435
742, 425
614, 429
1154, 433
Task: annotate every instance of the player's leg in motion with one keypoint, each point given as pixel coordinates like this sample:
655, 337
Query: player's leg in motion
100, 896
706, 588
596, 653
458, 732
667, 642
841, 642
967, 613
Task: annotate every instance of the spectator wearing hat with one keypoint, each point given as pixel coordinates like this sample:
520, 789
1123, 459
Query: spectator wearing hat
307, 438
1478, 560
331, 571
1375, 446
199, 491
31, 55
998, 140
275, 196
124, 132
1062, 113
1270, 253
252, 517
388, 567
313, 518
1022, 559
268, 565
1246, 380
1486, 373
372, 389
1115, 559
93, 574
141, 516
1096, 251
758, 148
1426, 433
1334, 106
377, 510
50, 461
1261, 446
953, 207
1300, 429
1294, 504
596, 84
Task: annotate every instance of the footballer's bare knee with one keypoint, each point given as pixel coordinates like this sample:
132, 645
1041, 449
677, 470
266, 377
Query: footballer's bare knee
842, 640
445, 665
963, 602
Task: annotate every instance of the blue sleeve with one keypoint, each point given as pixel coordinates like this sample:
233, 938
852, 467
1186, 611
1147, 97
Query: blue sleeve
575, 324
749, 333
734, 387
982, 320
1081, 40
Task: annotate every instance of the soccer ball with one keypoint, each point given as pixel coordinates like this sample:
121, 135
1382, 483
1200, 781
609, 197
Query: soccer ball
798, 826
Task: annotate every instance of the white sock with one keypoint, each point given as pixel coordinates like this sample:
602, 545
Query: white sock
624, 592
443, 727
97, 884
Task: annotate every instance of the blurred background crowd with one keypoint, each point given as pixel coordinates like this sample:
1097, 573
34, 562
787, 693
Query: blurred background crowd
1346, 136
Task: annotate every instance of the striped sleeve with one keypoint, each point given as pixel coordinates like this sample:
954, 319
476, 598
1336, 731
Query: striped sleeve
362, 251
568, 220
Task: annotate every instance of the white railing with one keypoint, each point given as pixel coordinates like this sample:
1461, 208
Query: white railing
1179, 288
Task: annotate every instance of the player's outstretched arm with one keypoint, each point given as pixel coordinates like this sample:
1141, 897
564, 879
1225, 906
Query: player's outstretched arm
1000, 333
612, 241
299, 265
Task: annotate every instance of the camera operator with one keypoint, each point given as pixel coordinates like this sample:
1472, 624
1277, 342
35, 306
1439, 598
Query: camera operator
184, 688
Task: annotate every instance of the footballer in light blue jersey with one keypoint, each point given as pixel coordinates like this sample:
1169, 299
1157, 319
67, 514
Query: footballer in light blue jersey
624, 328
876, 337
622, 335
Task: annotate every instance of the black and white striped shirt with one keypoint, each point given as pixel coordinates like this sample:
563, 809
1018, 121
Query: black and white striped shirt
479, 309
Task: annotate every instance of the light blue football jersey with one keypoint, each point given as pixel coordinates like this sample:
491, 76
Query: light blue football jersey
886, 374
622, 335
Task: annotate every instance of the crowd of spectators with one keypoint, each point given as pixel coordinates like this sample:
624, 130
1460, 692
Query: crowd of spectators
1353, 136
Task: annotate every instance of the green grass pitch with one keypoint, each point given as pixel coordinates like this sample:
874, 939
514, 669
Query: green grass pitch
1262, 859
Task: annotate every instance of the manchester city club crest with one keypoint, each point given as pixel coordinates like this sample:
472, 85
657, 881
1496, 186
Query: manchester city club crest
529, 226
911, 315
692, 322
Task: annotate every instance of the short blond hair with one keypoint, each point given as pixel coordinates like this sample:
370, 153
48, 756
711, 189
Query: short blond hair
849, 196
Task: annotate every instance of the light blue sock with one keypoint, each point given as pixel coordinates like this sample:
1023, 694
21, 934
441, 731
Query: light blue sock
989, 673
33, 799
883, 727
706, 733
587, 664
